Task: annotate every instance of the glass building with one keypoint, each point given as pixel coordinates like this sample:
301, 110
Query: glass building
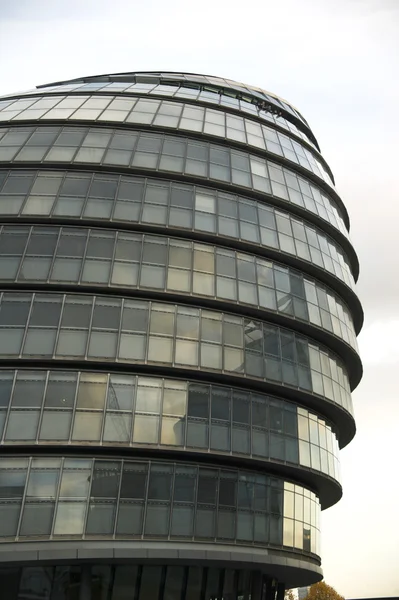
178, 330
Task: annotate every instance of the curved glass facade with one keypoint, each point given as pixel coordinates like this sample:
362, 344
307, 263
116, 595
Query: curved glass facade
231, 101
84, 497
178, 347
177, 206
161, 113
99, 408
105, 258
72, 327
166, 153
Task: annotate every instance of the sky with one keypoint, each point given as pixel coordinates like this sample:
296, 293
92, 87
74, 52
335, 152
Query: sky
338, 62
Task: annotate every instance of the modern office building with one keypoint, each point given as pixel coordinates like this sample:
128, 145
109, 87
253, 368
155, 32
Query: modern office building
178, 331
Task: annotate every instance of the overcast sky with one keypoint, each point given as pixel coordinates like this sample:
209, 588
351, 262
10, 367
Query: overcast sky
338, 62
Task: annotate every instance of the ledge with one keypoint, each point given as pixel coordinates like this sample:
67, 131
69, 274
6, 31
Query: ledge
294, 568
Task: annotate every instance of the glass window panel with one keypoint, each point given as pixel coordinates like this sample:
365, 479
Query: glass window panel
146, 429
182, 521
106, 476
130, 520
241, 440
28, 389
22, 425
69, 518
172, 432
198, 401
244, 526
37, 519
10, 518
55, 425
75, 479
134, 478
226, 525
87, 426
91, 392
117, 427
186, 352
40, 341
102, 344
157, 523
132, 347
100, 518
211, 356
72, 343
207, 487
197, 435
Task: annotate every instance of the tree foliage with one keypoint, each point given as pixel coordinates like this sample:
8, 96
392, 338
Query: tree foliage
322, 591
289, 595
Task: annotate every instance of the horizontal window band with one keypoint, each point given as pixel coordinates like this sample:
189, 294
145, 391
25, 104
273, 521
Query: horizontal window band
328, 490
216, 185
339, 416
349, 356
224, 109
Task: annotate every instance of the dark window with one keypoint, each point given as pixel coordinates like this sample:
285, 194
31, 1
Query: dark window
198, 401
105, 479
245, 494
29, 388
42, 243
160, 483
241, 407
131, 190
259, 413
134, 480
184, 488
37, 519
76, 315
135, 319
66, 583
14, 313
154, 253
221, 403
75, 186
150, 582
227, 492
72, 245
207, 489
276, 418
100, 582
182, 197
9, 581
13, 241
290, 423
276, 501
45, 314
125, 582
107, 317
261, 496
128, 250
5, 388
17, 185
103, 188
100, 247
